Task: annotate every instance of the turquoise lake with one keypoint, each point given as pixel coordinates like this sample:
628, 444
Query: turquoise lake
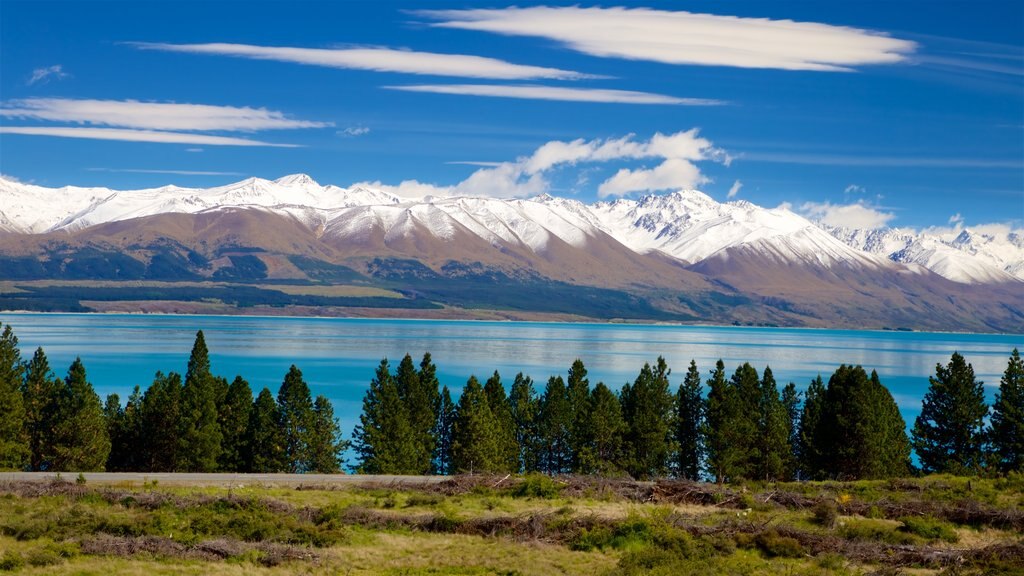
338, 356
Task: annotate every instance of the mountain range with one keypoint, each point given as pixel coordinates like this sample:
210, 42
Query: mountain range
680, 257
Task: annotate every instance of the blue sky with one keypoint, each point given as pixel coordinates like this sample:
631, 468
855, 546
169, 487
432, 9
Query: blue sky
899, 113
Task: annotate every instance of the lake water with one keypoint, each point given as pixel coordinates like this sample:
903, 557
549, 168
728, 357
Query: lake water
338, 356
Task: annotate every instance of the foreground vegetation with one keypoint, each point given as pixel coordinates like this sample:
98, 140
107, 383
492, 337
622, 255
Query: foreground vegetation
518, 525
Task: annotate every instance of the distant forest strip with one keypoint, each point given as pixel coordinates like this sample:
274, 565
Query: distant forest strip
742, 427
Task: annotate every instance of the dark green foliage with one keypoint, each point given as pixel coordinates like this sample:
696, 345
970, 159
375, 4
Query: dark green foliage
161, 421
125, 427
810, 448
325, 445
578, 393
507, 456
14, 445
264, 440
200, 430
689, 422
383, 438
775, 455
81, 440
40, 388
1007, 432
949, 433
791, 405
647, 409
524, 406
295, 406
537, 486
443, 433
474, 438
606, 431
554, 426
419, 394
233, 417
743, 428
717, 412
243, 267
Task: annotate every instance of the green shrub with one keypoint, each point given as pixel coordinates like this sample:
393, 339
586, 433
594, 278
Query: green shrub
826, 513
774, 545
11, 561
877, 531
929, 528
423, 499
536, 486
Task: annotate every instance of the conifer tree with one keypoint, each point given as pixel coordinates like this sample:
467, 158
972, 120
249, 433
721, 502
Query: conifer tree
161, 422
554, 425
14, 444
422, 402
811, 449
40, 390
606, 431
689, 422
325, 444
1007, 431
717, 413
474, 442
774, 454
791, 405
295, 407
507, 455
892, 431
264, 438
233, 418
578, 392
744, 427
81, 439
200, 431
443, 433
524, 406
949, 433
383, 438
113, 415
647, 408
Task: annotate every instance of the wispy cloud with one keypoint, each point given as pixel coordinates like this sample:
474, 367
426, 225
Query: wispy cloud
153, 115
44, 75
677, 155
687, 38
556, 93
857, 215
879, 161
193, 149
353, 131
128, 135
175, 172
854, 189
734, 189
379, 60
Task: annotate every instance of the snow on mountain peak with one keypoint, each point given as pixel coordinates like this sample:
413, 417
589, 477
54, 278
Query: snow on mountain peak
297, 180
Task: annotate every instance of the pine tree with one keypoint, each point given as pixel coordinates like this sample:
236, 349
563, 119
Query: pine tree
717, 412
40, 389
507, 456
161, 422
791, 405
200, 431
949, 433
744, 427
647, 408
264, 438
113, 415
606, 431
422, 404
443, 433
578, 392
892, 431
383, 439
524, 405
689, 422
1007, 431
774, 450
81, 439
14, 442
554, 425
811, 451
416, 407
233, 419
295, 407
325, 444
474, 438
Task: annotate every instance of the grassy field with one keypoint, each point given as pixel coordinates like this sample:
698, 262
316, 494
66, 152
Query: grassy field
517, 526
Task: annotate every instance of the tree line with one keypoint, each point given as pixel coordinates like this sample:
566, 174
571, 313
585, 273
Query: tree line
196, 423
724, 427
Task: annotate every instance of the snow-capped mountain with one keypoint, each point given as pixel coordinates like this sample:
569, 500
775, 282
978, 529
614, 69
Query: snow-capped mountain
688, 226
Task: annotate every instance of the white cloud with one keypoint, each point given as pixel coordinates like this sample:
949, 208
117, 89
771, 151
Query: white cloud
193, 149
378, 59
152, 115
956, 219
175, 172
687, 38
880, 161
526, 176
354, 131
854, 189
136, 136
44, 75
734, 190
856, 215
556, 93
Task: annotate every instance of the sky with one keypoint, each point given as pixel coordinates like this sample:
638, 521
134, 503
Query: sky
867, 113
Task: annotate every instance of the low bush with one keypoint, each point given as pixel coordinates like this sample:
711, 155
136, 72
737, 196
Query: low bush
536, 486
929, 528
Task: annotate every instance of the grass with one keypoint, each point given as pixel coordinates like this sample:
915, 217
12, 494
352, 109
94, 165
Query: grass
516, 526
